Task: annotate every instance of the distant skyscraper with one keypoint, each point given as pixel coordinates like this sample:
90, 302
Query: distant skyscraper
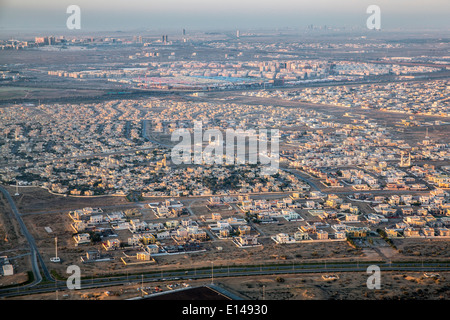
237, 34
184, 32
41, 40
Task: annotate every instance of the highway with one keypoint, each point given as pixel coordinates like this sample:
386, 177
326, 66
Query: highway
186, 275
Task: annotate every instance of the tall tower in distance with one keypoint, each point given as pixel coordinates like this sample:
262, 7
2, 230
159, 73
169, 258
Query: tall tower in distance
427, 141
237, 34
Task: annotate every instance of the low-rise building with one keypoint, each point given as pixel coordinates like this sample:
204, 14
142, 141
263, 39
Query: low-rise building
247, 240
224, 233
82, 238
391, 232
443, 232
244, 230
428, 232
340, 235
351, 218
411, 232
301, 235
111, 244
322, 235
282, 238
152, 249
143, 256
8, 269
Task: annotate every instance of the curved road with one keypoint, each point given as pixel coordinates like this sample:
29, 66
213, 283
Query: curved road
35, 255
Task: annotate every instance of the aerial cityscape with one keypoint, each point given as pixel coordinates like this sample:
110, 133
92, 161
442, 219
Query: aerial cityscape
134, 162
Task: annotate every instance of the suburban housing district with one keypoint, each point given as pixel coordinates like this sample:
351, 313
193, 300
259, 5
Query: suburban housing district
85, 154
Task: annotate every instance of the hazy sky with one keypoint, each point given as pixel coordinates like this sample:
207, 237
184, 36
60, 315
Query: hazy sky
124, 15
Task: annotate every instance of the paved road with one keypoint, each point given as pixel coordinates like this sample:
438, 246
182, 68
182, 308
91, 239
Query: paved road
35, 255
304, 179
145, 136
233, 271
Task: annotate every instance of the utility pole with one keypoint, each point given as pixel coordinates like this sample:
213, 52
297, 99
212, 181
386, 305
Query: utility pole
56, 258
17, 188
212, 272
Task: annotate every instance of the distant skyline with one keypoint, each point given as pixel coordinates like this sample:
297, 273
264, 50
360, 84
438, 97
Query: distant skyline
113, 15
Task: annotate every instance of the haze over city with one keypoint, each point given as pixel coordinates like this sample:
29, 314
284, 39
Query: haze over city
231, 14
